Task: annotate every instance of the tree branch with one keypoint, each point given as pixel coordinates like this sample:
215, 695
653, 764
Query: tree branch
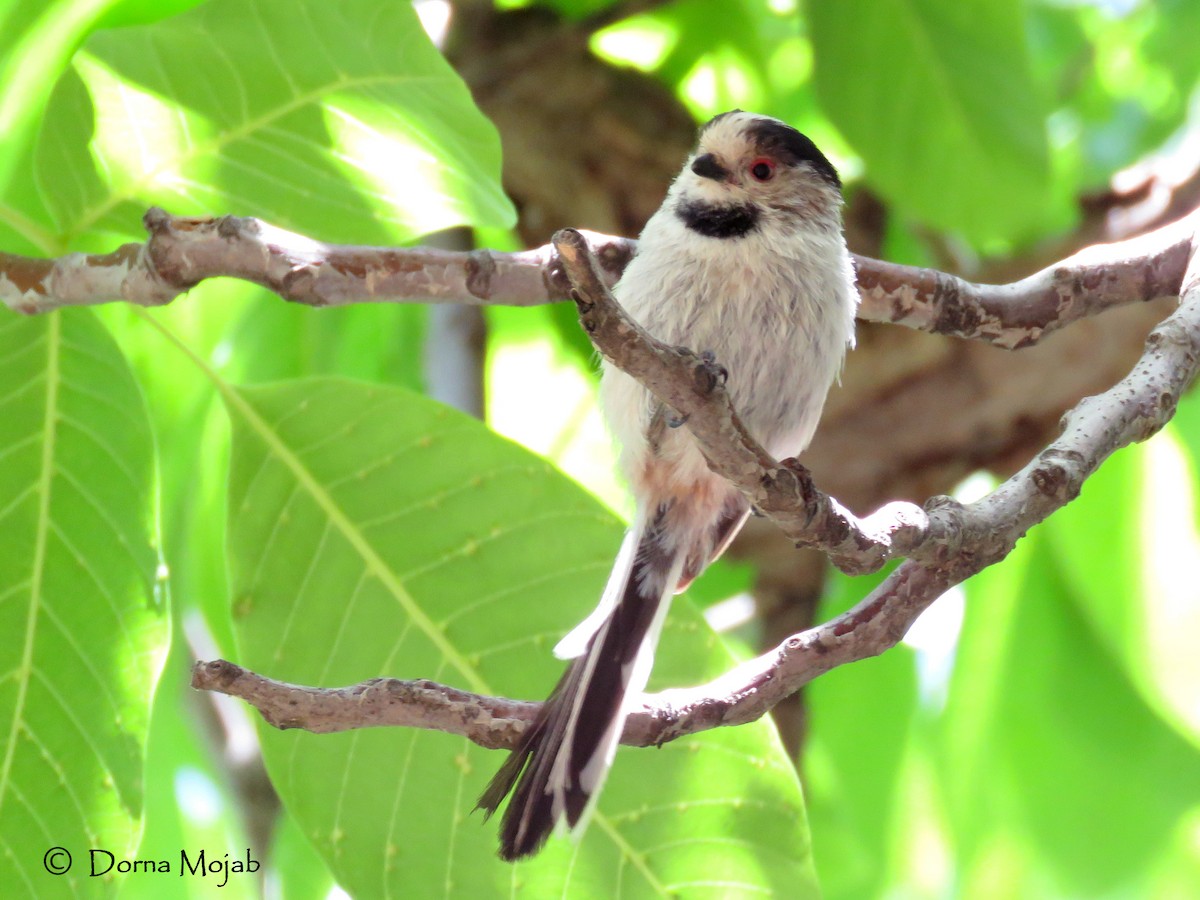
951, 544
945, 542
988, 529
488, 721
1020, 314
181, 252
694, 387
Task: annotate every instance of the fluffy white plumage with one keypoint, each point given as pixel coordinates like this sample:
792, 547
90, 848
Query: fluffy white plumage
776, 307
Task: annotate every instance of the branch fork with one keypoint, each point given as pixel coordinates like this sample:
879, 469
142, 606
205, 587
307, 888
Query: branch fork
945, 542
693, 385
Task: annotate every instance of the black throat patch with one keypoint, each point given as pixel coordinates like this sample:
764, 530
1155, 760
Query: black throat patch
718, 221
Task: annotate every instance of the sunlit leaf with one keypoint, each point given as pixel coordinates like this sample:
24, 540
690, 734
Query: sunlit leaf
535, 363
83, 633
718, 68
301, 873
1129, 548
341, 121
123, 13
860, 718
1186, 427
1050, 750
1118, 79
192, 436
374, 532
37, 39
377, 342
1086, 750
1167, 44
993, 859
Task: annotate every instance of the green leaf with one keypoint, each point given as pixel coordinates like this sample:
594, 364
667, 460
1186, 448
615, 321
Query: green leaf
1129, 547
37, 39
1050, 749
341, 121
569, 9
938, 99
1167, 43
83, 631
191, 803
1103, 778
1186, 427
720, 54
374, 532
373, 341
1119, 84
252, 336
715, 69
531, 366
301, 872
992, 856
124, 13
193, 438
859, 719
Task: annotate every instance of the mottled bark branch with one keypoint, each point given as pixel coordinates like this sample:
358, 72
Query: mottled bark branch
783, 490
742, 695
181, 252
947, 542
1020, 314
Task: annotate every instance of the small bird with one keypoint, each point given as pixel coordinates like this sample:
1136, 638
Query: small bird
744, 259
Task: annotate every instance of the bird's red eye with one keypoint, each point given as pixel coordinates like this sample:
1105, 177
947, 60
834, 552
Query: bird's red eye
762, 169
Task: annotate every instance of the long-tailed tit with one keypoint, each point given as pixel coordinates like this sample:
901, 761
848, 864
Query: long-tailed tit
745, 258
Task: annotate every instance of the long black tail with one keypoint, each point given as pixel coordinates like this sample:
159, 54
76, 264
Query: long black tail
560, 765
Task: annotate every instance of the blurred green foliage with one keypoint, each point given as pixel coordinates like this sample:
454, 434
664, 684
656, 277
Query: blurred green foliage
1045, 745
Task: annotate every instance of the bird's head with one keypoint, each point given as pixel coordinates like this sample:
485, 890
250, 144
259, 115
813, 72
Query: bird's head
749, 170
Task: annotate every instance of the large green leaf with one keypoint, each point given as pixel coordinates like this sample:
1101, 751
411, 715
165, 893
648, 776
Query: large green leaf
302, 874
860, 720
938, 99
250, 336
1102, 777
1131, 570
340, 120
82, 634
1119, 83
37, 39
374, 532
993, 859
1055, 767
191, 800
